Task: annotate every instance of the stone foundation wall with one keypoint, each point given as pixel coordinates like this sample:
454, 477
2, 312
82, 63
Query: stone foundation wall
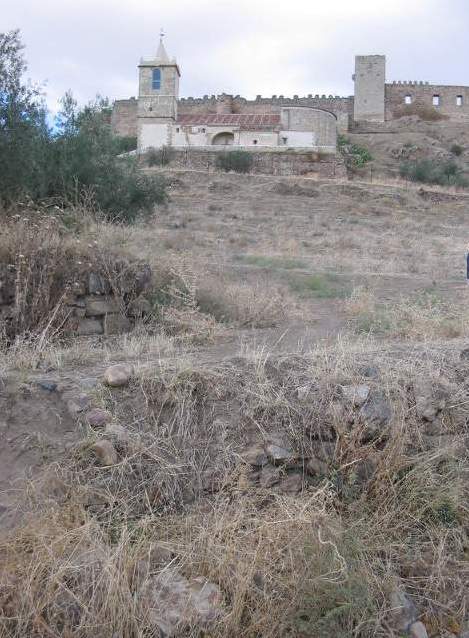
91, 308
277, 162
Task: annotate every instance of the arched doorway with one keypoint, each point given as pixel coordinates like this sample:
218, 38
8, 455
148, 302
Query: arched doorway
223, 139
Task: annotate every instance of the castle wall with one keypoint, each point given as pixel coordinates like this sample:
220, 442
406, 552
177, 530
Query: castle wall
124, 118
422, 94
124, 115
341, 107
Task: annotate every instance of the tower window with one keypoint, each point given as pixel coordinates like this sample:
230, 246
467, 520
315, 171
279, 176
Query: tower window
436, 100
156, 80
408, 99
459, 100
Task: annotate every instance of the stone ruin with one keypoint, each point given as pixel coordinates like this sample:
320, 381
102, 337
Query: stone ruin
93, 304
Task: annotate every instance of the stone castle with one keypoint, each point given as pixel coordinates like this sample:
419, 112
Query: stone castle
159, 117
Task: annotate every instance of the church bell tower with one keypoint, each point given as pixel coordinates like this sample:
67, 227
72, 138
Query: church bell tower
158, 88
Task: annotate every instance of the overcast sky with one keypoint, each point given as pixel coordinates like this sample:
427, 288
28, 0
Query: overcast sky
245, 47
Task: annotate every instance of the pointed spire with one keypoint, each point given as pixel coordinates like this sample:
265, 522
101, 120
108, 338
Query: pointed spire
161, 53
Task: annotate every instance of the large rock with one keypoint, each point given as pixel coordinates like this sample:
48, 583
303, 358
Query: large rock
97, 307
278, 454
173, 603
90, 327
97, 285
403, 611
105, 452
291, 485
98, 418
117, 432
431, 397
255, 456
418, 630
118, 375
376, 416
355, 394
116, 324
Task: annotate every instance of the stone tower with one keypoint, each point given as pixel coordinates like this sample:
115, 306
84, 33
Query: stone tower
158, 92
370, 71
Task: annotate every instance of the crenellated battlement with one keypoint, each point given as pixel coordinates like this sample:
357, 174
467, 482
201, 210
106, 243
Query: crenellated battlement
409, 83
274, 99
375, 100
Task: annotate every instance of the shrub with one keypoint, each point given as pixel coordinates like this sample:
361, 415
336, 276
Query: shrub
457, 150
355, 156
445, 173
80, 156
126, 144
84, 155
237, 161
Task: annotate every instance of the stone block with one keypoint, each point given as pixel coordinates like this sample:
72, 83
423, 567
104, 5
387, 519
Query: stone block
116, 324
89, 327
97, 285
100, 306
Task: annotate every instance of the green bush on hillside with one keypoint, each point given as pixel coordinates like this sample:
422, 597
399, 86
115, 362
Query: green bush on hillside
355, 156
443, 173
237, 161
457, 150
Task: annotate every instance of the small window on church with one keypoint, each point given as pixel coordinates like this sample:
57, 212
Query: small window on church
408, 99
156, 80
459, 100
254, 141
436, 100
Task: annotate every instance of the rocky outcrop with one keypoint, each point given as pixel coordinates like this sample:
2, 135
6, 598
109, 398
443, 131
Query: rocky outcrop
174, 603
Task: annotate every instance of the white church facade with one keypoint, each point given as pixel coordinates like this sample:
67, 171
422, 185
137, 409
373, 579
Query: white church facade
158, 122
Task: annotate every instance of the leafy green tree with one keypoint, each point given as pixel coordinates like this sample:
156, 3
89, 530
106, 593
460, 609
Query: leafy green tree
86, 156
24, 134
81, 155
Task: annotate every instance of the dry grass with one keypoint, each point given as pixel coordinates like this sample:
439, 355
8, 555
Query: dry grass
385, 509
256, 305
319, 563
421, 317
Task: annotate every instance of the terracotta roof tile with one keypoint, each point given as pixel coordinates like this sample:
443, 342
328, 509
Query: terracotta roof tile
245, 121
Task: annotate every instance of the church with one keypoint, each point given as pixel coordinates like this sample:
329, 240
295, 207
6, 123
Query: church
160, 121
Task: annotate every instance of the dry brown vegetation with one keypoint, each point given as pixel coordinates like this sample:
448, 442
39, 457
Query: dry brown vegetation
272, 309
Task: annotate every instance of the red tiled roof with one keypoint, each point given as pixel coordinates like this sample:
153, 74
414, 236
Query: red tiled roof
245, 121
